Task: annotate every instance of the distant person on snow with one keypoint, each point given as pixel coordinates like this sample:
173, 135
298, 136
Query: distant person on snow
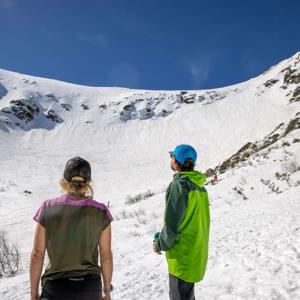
185, 234
73, 229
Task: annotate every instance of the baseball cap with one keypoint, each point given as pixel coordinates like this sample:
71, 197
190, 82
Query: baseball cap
77, 167
183, 152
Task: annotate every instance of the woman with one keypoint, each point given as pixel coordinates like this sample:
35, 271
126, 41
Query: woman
73, 229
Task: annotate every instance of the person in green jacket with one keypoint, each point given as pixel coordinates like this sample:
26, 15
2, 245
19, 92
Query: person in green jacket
185, 235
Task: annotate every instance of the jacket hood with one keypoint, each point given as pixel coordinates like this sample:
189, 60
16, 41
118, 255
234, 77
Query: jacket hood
194, 176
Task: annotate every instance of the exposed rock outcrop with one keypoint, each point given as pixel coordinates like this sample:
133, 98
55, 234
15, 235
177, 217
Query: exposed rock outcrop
296, 95
291, 75
66, 106
24, 109
52, 115
270, 82
250, 148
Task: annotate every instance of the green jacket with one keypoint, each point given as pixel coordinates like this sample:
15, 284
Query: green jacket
185, 235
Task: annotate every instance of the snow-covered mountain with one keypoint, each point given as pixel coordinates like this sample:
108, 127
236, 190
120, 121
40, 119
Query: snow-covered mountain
29, 102
248, 133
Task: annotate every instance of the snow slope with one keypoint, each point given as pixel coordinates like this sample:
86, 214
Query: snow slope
125, 134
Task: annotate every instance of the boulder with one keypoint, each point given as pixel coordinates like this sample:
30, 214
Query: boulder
210, 172
145, 113
51, 97
66, 106
270, 82
129, 107
52, 115
293, 125
126, 113
296, 95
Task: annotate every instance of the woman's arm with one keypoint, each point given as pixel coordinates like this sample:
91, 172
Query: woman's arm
106, 259
37, 260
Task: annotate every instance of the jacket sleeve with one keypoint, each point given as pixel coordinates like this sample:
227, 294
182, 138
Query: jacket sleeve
176, 203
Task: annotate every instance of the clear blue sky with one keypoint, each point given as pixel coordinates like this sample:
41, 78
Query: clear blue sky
153, 44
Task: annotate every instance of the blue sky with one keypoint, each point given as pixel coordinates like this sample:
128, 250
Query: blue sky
152, 44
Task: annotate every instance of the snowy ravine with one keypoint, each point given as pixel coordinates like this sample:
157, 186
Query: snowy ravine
249, 132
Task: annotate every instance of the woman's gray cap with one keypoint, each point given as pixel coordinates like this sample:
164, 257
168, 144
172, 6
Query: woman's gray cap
77, 167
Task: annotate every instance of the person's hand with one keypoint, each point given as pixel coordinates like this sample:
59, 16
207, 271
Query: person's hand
155, 243
155, 248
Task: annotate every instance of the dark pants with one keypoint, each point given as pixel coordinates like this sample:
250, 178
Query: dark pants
73, 288
180, 289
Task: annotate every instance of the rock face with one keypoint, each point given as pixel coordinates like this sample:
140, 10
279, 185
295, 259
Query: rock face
52, 115
293, 125
251, 148
296, 95
26, 114
241, 155
138, 108
189, 98
270, 82
24, 109
291, 76
146, 113
143, 106
128, 112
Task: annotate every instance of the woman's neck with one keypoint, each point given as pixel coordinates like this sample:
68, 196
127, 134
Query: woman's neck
77, 196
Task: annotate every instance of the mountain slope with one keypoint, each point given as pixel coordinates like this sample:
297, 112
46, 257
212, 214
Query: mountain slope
126, 134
